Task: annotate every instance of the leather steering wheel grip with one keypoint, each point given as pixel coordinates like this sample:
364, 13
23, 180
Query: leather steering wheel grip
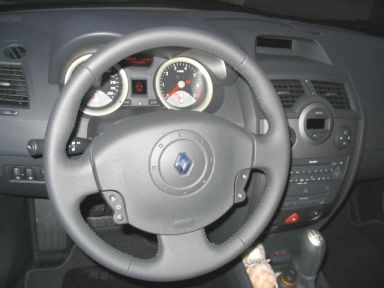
69, 181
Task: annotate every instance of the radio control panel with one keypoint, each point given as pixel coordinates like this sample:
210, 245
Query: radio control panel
312, 187
306, 171
314, 181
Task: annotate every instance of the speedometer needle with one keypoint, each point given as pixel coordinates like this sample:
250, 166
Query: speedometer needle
174, 90
180, 84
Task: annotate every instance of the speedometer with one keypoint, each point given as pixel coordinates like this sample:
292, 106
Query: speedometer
107, 94
183, 83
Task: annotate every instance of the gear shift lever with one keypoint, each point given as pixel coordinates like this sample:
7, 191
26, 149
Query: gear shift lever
311, 258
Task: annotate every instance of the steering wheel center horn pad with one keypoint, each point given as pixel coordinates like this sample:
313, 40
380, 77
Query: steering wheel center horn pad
174, 190
172, 180
181, 162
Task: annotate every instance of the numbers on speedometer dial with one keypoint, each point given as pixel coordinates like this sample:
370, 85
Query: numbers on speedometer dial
183, 83
107, 94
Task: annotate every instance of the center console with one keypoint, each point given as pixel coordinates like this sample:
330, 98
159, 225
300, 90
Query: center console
323, 139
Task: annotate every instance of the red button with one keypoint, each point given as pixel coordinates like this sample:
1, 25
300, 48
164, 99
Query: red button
292, 219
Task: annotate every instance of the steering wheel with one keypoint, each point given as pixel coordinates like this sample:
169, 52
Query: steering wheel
133, 164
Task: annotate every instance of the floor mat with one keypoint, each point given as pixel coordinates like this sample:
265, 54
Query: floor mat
79, 271
355, 253
96, 277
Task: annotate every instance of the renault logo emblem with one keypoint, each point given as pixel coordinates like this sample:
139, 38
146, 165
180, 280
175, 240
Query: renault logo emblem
183, 163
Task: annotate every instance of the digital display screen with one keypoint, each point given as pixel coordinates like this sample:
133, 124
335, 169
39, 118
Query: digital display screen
315, 123
139, 87
139, 60
272, 42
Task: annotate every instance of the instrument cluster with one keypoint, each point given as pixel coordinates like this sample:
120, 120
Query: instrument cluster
175, 83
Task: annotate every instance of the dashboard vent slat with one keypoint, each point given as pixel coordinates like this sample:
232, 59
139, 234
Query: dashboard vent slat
333, 92
13, 86
288, 91
15, 51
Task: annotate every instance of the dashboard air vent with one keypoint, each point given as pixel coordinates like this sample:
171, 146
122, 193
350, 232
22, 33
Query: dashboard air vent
334, 92
14, 51
13, 86
289, 91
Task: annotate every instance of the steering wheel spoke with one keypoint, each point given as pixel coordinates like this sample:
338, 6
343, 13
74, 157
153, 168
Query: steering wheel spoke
266, 150
181, 253
177, 248
77, 179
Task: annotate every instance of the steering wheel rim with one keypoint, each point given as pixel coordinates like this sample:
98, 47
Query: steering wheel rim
70, 181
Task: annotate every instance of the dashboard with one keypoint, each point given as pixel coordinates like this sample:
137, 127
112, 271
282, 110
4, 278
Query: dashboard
305, 64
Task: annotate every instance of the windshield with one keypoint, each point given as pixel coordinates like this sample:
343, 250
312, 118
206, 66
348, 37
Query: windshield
365, 15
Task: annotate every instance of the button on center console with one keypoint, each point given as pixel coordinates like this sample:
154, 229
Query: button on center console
343, 137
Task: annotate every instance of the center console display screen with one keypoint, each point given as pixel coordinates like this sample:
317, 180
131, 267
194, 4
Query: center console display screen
315, 123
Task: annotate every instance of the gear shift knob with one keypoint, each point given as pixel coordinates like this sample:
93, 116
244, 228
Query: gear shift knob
312, 255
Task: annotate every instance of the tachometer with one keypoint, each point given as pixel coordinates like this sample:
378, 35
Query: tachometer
183, 83
107, 94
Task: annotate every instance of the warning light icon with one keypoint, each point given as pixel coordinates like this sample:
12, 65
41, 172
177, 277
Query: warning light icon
139, 87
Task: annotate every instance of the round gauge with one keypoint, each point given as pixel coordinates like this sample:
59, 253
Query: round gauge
183, 83
107, 94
